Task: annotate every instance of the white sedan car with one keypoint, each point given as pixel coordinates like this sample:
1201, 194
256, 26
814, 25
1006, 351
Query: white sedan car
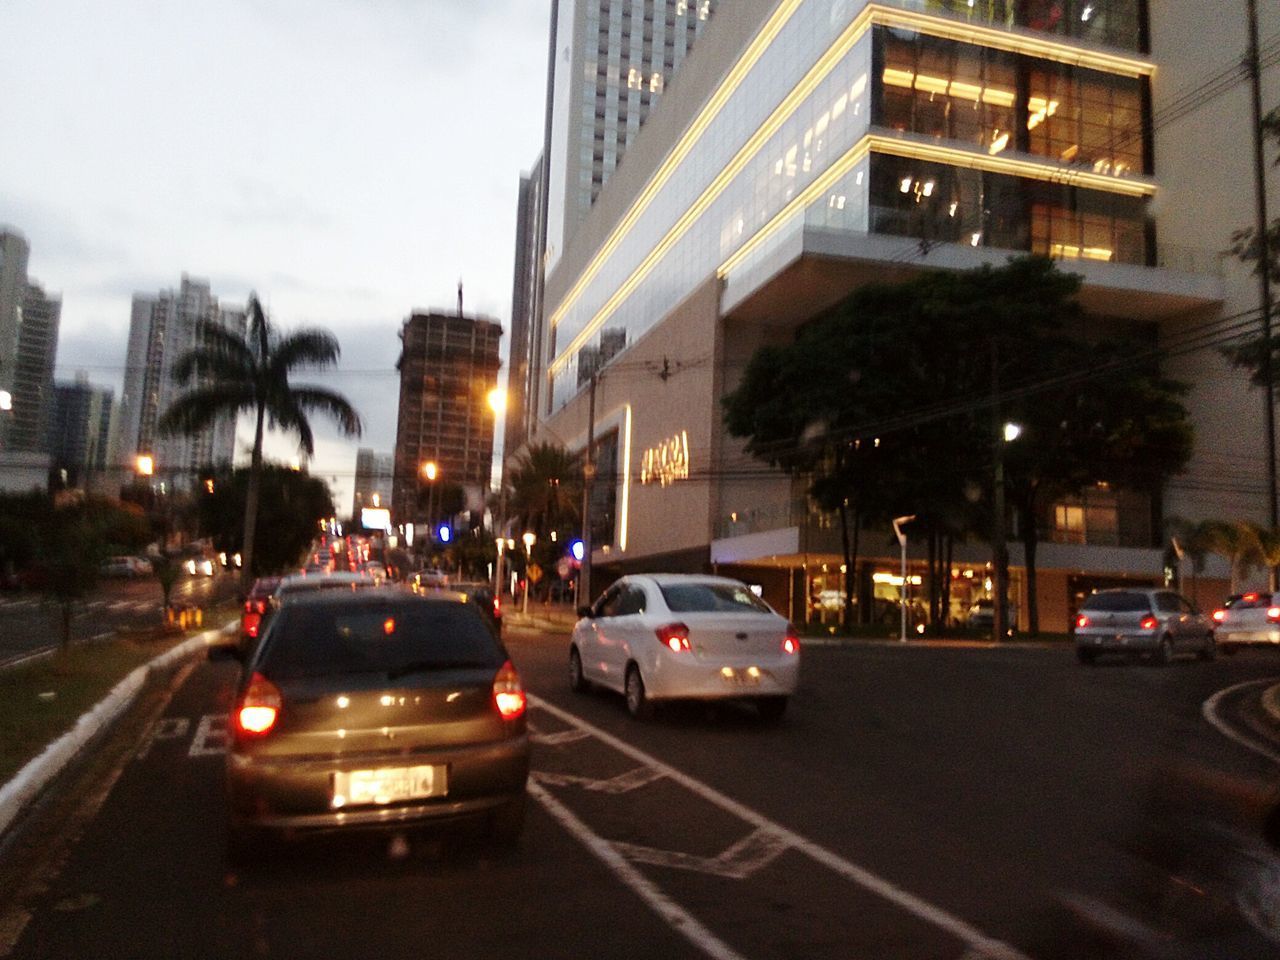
1252, 620
673, 636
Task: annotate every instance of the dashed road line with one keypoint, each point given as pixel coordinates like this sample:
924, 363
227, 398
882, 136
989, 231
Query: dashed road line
676, 916
1210, 711
987, 947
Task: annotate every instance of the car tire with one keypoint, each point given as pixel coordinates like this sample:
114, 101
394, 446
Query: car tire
1086, 656
578, 683
771, 709
638, 703
1210, 649
506, 823
1164, 654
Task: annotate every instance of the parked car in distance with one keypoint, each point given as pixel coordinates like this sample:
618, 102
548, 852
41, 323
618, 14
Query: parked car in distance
676, 636
129, 567
1142, 622
333, 673
1248, 620
200, 566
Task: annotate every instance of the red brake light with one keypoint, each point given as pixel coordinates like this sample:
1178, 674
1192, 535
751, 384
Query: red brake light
259, 708
1273, 614
791, 642
1081, 622
1250, 598
251, 623
1219, 615
1149, 623
497, 608
674, 636
508, 692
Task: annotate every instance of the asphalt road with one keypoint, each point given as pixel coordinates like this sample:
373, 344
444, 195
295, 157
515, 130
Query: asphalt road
915, 803
30, 623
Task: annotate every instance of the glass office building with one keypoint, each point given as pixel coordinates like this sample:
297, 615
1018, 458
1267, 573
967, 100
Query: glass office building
806, 148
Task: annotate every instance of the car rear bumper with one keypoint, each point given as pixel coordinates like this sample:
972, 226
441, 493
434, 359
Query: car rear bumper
297, 794
678, 676
1145, 641
1241, 638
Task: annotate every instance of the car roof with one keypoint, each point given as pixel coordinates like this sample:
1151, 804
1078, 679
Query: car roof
662, 579
374, 594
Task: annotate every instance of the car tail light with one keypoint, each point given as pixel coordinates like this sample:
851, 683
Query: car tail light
251, 623
259, 708
674, 636
791, 642
1149, 623
508, 692
1219, 615
1082, 621
1250, 598
497, 608
1273, 614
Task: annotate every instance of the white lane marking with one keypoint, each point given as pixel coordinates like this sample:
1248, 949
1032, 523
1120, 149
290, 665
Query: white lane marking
170, 728
1103, 916
744, 859
622, 783
27, 657
1210, 712
211, 737
938, 917
119, 605
558, 739
675, 916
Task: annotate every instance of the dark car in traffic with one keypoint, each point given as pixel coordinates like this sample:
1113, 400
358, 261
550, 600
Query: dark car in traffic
375, 709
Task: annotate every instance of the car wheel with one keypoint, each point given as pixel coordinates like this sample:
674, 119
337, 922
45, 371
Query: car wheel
638, 703
1210, 648
507, 822
771, 708
1086, 656
1164, 655
577, 682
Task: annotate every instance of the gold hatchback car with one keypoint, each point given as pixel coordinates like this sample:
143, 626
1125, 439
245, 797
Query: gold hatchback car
375, 709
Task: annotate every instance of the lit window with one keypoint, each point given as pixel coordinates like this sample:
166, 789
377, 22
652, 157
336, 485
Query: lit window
656, 82
704, 9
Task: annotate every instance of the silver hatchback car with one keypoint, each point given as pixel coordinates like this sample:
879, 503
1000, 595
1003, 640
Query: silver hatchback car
1142, 622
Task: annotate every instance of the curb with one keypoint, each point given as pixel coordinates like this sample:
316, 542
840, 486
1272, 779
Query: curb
28, 782
1271, 702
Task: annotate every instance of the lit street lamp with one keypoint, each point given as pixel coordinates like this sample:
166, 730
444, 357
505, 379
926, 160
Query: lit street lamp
429, 472
898, 524
145, 465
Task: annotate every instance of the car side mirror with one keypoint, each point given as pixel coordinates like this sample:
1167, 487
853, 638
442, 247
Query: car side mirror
586, 612
224, 652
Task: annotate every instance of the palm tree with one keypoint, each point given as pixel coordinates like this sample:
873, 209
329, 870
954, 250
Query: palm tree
249, 372
546, 488
1236, 541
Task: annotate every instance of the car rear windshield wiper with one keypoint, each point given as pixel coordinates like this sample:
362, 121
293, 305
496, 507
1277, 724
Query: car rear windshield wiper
425, 666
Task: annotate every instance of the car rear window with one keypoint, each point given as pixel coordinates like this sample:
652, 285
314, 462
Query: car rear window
327, 639
1253, 601
711, 597
1118, 603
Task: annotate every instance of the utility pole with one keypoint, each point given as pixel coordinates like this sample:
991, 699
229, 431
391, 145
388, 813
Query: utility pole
999, 538
1264, 260
588, 474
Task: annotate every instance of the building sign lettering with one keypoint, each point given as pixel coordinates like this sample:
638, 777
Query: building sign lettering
667, 462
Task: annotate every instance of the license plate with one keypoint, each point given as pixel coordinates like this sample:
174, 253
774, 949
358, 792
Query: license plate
741, 678
388, 785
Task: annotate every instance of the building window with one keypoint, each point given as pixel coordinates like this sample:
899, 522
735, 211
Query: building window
1115, 23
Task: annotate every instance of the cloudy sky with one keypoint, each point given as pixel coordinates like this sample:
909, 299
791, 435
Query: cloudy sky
348, 159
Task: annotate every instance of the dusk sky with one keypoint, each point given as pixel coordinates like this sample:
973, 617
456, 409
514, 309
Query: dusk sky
349, 160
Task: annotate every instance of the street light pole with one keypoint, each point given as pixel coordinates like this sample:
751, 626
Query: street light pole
1264, 262
529, 539
588, 474
898, 524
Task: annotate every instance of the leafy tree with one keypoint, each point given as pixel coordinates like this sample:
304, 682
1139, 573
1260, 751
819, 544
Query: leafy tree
1246, 244
291, 505
546, 489
229, 373
899, 380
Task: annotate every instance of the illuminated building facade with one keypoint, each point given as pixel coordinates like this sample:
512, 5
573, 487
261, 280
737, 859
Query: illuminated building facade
808, 147
374, 475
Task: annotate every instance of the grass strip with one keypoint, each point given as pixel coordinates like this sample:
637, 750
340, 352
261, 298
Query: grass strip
41, 700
